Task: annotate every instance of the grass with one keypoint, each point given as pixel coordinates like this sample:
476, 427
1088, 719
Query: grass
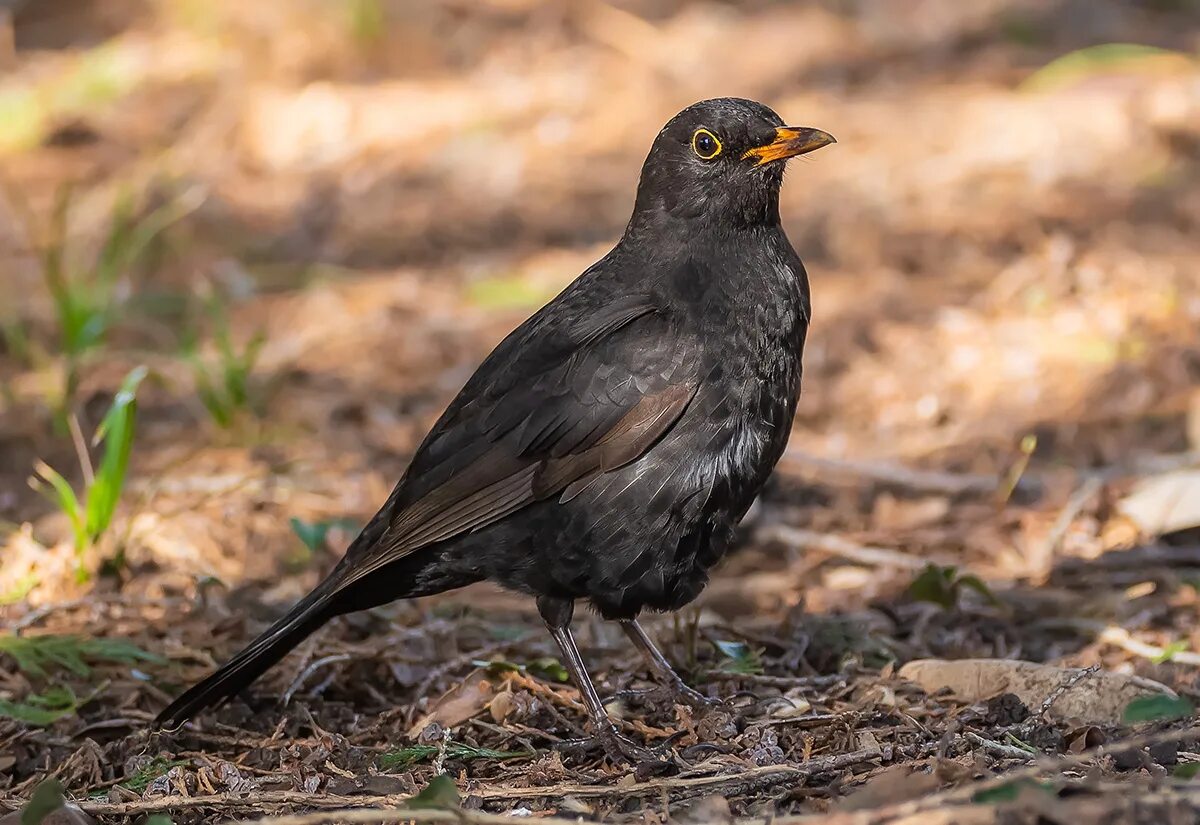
366, 21
406, 757
223, 384
98, 78
90, 512
738, 657
156, 767
87, 291
506, 292
41, 656
21, 588
1102, 59
42, 709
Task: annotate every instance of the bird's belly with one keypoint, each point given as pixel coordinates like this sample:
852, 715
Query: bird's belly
645, 535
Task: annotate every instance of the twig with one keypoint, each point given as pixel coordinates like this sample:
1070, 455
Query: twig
892, 813
1049, 546
677, 788
356, 816
37, 614
815, 682
1120, 637
998, 748
838, 546
299, 681
1149, 465
931, 481
1136, 558
1057, 764
1068, 683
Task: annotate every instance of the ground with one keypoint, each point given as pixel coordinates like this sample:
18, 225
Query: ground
361, 198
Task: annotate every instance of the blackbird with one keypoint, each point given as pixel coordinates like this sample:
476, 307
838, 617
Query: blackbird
609, 446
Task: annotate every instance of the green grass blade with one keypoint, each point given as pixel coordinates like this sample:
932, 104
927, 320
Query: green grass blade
66, 500
42, 709
38, 656
116, 430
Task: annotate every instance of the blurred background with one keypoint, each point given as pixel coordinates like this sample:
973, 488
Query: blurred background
309, 220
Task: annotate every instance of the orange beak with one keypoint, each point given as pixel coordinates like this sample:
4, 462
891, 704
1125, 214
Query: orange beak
790, 141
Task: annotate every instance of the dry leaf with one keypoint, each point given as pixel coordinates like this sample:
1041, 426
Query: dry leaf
1084, 739
463, 701
1096, 699
893, 514
1165, 503
501, 706
795, 707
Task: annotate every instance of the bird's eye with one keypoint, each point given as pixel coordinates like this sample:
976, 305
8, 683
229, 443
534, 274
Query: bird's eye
705, 144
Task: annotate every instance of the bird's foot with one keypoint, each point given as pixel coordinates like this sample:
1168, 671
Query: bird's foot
623, 750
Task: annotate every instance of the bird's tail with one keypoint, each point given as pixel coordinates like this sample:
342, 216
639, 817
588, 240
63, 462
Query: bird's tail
300, 622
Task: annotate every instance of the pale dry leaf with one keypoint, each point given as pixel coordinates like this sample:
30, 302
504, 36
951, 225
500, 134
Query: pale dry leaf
795, 708
465, 700
501, 706
894, 514
1096, 699
1165, 503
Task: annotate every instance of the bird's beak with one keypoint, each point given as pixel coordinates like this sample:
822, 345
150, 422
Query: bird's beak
790, 141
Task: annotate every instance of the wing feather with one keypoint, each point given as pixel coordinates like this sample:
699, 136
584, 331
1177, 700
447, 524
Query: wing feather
602, 392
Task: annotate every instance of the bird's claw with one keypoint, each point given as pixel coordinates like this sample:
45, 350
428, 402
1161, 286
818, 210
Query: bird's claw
621, 749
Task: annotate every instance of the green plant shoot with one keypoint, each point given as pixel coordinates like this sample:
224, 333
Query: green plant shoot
91, 517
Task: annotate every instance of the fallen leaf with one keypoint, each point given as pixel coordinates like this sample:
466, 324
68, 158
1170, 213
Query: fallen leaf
797, 707
501, 706
1165, 503
1085, 739
1100, 698
467, 699
893, 514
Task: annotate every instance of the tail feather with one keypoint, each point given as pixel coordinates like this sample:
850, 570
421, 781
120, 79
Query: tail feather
309, 614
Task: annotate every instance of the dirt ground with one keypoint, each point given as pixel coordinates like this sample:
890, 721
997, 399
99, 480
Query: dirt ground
1002, 380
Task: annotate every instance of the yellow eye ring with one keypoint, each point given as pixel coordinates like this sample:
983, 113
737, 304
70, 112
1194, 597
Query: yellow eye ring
705, 144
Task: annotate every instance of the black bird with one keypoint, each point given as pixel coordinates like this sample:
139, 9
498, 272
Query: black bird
608, 447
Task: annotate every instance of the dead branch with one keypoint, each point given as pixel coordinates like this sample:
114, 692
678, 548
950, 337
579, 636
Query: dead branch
836, 545
886, 472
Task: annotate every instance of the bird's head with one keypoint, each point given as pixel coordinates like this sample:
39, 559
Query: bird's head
720, 162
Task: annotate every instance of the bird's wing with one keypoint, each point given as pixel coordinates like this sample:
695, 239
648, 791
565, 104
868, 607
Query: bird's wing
558, 402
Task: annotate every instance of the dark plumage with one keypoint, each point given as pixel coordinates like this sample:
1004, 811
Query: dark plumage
608, 447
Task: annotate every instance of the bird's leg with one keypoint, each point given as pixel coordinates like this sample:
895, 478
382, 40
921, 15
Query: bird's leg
662, 668
556, 613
